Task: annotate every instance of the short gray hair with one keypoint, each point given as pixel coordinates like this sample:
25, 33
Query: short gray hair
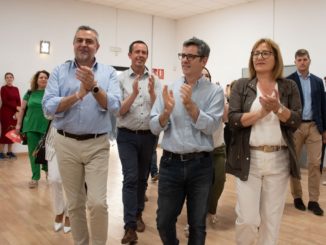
88, 28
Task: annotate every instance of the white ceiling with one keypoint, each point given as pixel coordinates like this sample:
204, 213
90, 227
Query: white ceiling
173, 9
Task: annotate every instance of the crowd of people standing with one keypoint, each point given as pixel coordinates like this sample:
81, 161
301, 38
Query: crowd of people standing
83, 103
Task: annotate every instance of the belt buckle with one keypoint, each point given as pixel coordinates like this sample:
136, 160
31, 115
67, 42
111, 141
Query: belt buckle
182, 159
268, 148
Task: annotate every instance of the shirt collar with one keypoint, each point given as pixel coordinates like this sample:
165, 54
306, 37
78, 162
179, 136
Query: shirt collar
94, 65
131, 72
300, 75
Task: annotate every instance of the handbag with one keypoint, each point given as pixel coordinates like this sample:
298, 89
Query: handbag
39, 152
23, 135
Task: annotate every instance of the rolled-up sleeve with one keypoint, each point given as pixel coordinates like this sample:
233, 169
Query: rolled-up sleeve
113, 94
51, 98
210, 118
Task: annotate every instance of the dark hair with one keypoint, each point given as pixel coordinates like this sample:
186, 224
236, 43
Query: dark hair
131, 46
34, 85
203, 48
8, 73
278, 67
208, 73
301, 52
87, 28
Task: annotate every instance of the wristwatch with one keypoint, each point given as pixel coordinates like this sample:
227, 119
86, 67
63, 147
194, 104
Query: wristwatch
95, 89
281, 109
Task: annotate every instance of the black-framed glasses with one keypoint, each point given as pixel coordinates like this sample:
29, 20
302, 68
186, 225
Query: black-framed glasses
189, 57
264, 54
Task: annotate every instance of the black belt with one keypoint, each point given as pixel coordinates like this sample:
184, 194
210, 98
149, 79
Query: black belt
186, 156
135, 131
307, 121
79, 136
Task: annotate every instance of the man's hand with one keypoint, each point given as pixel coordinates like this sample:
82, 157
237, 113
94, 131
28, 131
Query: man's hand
135, 89
151, 85
168, 99
86, 76
169, 103
186, 92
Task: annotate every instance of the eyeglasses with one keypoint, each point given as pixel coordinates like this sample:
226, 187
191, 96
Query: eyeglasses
189, 57
264, 54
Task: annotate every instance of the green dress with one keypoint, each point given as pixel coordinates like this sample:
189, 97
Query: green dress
34, 120
34, 125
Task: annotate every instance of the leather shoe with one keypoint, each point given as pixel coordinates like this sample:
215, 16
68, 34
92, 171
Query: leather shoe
315, 208
129, 236
140, 223
298, 204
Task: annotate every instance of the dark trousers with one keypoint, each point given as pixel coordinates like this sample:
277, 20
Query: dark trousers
153, 167
180, 180
135, 152
218, 178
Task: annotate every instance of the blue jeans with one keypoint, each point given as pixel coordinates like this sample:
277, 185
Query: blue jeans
180, 180
135, 152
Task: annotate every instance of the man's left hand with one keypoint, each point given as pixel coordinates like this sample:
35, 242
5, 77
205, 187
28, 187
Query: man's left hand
86, 76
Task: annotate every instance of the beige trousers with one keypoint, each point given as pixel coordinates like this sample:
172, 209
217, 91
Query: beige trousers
83, 162
261, 199
309, 135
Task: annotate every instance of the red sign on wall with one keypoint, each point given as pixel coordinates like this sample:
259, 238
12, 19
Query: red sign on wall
158, 72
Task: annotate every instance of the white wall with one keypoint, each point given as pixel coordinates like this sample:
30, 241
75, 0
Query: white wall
232, 32
24, 23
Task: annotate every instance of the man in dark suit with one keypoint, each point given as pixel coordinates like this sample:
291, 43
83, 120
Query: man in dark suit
324, 144
312, 131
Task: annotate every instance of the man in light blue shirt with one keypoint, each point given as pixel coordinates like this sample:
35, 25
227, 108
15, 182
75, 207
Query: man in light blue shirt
188, 113
83, 96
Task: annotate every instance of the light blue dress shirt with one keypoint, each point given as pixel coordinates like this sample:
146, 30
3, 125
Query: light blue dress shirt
181, 134
306, 90
85, 116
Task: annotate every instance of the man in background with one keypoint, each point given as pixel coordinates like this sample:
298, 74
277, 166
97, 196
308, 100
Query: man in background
135, 140
312, 131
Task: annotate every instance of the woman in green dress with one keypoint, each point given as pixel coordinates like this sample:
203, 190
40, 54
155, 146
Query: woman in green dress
34, 124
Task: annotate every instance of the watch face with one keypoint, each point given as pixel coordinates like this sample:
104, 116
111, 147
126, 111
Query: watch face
95, 89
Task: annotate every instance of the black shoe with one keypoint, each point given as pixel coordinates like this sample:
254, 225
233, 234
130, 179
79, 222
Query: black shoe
298, 204
129, 237
315, 208
11, 155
